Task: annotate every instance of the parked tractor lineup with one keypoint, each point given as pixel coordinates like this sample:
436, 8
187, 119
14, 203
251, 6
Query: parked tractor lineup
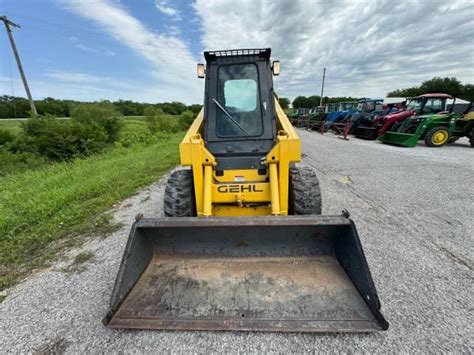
430, 117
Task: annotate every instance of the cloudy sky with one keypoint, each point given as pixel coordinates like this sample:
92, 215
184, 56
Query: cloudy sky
147, 50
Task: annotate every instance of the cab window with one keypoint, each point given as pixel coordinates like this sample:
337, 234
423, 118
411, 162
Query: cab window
239, 97
433, 106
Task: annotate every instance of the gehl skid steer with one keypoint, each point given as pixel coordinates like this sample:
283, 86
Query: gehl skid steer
243, 245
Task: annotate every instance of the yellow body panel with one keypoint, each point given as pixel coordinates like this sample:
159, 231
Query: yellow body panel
241, 175
242, 192
469, 116
226, 210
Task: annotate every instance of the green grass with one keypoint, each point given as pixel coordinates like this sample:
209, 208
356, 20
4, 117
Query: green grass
12, 126
47, 204
134, 126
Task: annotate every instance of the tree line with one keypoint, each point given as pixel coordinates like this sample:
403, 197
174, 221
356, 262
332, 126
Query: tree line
451, 86
18, 107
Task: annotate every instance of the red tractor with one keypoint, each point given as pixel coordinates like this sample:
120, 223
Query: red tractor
419, 105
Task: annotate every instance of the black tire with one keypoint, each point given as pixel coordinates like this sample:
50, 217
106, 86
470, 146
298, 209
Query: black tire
395, 127
305, 193
430, 140
471, 138
411, 129
179, 195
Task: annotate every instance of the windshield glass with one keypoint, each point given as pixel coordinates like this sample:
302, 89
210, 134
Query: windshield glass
238, 96
414, 105
434, 106
370, 106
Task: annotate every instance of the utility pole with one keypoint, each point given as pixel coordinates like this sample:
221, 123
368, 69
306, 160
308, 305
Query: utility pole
322, 87
9, 23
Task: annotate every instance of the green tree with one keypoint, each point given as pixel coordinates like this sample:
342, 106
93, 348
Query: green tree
186, 119
468, 92
284, 102
102, 116
306, 102
451, 86
407, 92
195, 108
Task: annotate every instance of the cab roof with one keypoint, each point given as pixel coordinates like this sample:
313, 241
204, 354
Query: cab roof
440, 95
263, 53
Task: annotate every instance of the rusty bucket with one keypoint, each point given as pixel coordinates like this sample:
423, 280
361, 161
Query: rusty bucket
292, 273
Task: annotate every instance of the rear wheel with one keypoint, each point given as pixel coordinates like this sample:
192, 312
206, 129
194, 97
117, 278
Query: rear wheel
437, 137
471, 138
305, 193
179, 195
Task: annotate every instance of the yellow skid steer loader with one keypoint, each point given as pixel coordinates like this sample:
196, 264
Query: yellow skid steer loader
243, 245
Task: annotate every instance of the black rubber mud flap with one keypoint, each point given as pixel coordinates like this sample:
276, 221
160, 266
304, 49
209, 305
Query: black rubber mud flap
292, 273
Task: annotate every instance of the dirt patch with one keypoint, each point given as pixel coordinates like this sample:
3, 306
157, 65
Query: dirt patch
55, 346
77, 264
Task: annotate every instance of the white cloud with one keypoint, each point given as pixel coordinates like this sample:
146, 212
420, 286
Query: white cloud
173, 31
368, 47
168, 55
90, 49
74, 77
84, 48
164, 8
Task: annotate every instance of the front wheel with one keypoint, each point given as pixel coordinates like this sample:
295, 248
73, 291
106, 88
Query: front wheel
179, 195
305, 193
471, 138
437, 137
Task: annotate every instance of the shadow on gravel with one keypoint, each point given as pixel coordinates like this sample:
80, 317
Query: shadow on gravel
55, 346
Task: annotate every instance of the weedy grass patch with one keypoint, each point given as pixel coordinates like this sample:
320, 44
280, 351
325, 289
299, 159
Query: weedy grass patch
44, 205
12, 126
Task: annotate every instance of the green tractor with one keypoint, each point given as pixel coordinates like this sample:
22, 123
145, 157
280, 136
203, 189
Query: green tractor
316, 117
436, 130
299, 117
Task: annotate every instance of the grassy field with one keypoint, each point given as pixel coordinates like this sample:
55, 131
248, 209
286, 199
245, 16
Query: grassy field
14, 126
46, 204
11, 126
135, 130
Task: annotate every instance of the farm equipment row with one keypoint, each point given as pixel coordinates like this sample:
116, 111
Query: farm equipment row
427, 117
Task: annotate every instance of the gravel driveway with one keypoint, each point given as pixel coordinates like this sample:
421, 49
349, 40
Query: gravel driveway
414, 211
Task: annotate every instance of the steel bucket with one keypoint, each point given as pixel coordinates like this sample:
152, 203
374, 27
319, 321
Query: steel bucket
397, 138
292, 273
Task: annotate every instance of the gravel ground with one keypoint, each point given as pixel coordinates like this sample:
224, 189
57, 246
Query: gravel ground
414, 211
